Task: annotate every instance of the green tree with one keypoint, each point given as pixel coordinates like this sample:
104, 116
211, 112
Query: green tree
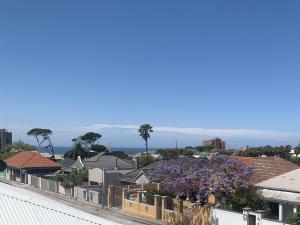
145, 131
297, 150
76, 151
19, 146
294, 219
99, 148
88, 140
42, 136
146, 159
2, 165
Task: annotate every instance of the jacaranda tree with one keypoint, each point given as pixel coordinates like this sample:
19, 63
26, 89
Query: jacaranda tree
201, 178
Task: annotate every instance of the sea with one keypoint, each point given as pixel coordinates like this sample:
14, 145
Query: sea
63, 150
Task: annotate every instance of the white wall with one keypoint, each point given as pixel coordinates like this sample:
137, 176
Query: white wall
96, 175
224, 217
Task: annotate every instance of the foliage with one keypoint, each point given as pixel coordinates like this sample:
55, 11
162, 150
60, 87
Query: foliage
294, 218
88, 139
294, 160
84, 175
60, 177
2, 165
73, 179
204, 148
174, 153
42, 135
282, 151
245, 198
6, 155
99, 148
146, 159
19, 146
297, 150
201, 178
145, 131
76, 151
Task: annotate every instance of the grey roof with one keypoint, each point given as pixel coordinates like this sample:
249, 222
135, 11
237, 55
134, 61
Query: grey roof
147, 170
286, 182
106, 161
67, 162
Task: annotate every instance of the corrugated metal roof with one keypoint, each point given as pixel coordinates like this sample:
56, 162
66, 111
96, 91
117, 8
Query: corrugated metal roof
280, 196
287, 182
22, 207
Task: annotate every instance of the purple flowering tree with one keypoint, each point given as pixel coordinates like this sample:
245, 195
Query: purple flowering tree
219, 176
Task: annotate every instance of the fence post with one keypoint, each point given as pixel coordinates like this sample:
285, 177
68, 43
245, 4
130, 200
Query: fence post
179, 205
164, 200
158, 186
124, 193
110, 196
157, 206
139, 197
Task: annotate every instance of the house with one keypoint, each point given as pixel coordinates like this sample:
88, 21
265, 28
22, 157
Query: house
144, 175
265, 168
22, 206
282, 193
26, 162
108, 164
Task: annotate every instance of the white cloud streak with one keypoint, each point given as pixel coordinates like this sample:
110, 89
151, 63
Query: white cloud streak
233, 133
203, 132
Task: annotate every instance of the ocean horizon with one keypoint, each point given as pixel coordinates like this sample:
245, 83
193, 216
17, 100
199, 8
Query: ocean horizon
63, 150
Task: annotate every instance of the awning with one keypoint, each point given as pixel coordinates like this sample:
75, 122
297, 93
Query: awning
282, 196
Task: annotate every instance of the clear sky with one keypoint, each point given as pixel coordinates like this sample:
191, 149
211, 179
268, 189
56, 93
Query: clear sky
182, 66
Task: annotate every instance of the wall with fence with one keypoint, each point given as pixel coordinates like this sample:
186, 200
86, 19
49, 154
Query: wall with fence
138, 206
49, 185
115, 196
177, 211
91, 194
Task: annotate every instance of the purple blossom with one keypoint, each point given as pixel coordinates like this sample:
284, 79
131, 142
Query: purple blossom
219, 176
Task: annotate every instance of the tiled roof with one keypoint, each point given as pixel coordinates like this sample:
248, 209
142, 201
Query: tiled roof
29, 159
265, 168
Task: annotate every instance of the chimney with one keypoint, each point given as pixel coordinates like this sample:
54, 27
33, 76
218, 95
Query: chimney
137, 162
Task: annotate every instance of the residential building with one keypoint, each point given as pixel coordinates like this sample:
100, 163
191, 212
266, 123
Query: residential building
283, 194
144, 175
265, 168
217, 143
21, 206
24, 163
5, 138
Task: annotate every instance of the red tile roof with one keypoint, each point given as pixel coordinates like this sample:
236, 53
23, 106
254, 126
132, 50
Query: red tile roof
28, 159
265, 168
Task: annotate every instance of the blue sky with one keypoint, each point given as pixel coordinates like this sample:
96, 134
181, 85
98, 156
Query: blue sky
231, 67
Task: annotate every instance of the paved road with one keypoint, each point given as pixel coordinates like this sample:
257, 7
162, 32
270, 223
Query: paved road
115, 215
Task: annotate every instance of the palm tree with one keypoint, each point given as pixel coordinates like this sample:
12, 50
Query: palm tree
145, 131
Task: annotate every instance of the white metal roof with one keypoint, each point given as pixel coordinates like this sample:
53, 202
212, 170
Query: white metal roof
280, 196
286, 182
22, 207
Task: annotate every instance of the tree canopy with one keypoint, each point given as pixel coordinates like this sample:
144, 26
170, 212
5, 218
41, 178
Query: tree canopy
282, 151
19, 146
76, 151
42, 135
88, 139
